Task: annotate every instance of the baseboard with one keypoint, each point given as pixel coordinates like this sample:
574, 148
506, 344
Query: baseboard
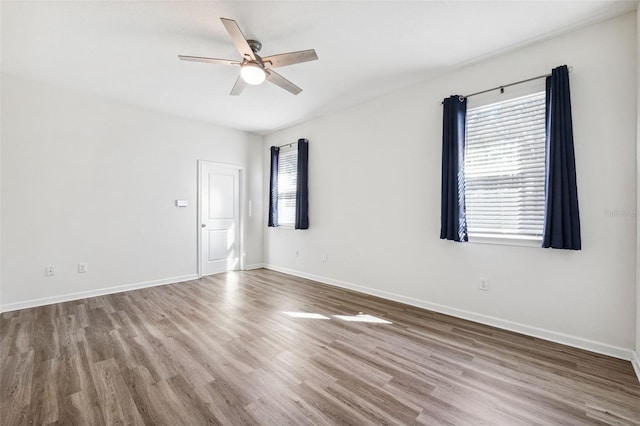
92, 293
254, 266
635, 361
565, 339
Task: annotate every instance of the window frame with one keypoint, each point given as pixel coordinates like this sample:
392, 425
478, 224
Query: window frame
289, 150
483, 101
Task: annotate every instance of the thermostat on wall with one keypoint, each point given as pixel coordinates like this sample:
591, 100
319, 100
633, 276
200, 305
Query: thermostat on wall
182, 203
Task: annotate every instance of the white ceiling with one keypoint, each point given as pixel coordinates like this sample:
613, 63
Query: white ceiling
127, 50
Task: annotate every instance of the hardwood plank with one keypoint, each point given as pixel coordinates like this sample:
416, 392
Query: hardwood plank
85, 410
113, 394
16, 372
43, 392
228, 402
220, 350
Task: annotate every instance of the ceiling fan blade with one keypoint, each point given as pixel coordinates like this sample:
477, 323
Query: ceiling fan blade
291, 58
238, 38
209, 60
279, 80
238, 87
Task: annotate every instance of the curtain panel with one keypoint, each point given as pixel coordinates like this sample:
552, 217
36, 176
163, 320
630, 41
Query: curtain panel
562, 218
302, 186
453, 224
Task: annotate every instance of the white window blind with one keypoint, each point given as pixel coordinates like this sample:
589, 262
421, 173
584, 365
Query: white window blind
287, 180
505, 168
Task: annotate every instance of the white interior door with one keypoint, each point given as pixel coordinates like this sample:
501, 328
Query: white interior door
220, 218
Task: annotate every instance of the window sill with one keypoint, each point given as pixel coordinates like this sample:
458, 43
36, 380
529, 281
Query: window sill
506, 240
292, 227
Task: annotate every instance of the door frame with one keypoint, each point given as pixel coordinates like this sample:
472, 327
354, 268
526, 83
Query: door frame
241, 208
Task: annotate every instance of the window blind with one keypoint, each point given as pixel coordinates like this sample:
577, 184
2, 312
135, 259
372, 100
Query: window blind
505, 168
287, 181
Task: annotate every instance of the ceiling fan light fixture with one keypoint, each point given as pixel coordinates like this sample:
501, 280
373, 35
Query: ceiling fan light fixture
252, 73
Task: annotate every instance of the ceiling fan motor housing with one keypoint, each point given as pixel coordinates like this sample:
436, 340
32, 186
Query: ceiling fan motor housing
255, 45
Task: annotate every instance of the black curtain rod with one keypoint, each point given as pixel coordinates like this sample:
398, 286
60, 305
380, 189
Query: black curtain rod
510, 84
507, 85
287, 144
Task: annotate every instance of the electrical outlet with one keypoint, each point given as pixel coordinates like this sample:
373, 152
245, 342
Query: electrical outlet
324, 257
82, 268
484, 284
50, 271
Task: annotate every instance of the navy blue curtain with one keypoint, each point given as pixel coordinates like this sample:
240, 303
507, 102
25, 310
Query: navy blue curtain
453, 223
302, 187
273, 187
561, 218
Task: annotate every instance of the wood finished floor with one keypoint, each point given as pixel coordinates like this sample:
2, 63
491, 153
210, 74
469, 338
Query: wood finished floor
220, 350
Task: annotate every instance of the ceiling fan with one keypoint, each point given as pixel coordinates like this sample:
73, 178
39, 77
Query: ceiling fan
253, 68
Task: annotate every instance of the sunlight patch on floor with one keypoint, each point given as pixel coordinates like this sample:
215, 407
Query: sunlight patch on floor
309, 315
353, 318
363, 318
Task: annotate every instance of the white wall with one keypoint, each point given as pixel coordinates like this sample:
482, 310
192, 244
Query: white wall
0, 166
86, 179
375, 201
637, 347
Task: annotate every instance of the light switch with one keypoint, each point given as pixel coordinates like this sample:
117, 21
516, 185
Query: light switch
182, 203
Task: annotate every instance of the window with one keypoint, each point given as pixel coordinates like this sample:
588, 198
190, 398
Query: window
289, 186
504, 169
508, 168
287, 181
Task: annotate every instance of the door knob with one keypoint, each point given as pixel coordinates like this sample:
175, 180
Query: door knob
204, 225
